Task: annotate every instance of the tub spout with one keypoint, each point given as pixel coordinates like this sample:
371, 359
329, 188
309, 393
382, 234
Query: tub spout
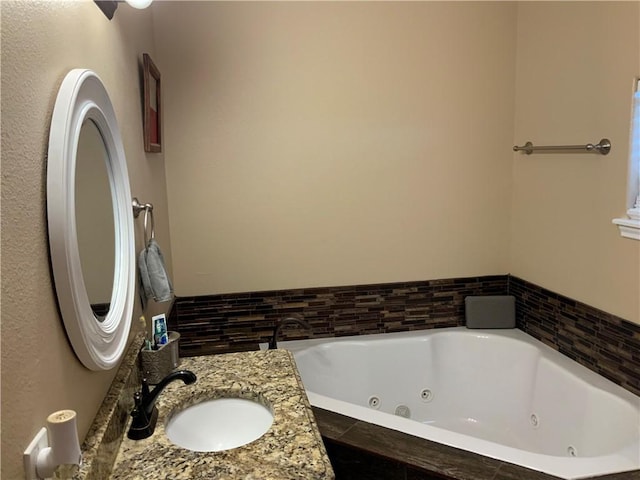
273, 342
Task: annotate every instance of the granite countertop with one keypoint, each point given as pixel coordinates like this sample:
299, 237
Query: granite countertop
291, 449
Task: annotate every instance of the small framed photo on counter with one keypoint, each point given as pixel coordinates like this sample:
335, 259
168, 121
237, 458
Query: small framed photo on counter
152, 120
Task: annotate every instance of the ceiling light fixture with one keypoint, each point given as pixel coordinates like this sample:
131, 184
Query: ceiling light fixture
139, 3
109, 7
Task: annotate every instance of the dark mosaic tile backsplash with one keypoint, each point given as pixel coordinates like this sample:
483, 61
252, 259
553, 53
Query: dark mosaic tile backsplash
224, 323
598, 340
232, 322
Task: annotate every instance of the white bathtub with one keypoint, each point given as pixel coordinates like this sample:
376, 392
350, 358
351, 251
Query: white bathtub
499, 393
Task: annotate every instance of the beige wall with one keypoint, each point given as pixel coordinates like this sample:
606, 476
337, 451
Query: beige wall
576, 62
337, 143
41, 42
332, 143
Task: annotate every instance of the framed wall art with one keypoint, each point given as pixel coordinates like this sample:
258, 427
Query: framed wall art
152, 120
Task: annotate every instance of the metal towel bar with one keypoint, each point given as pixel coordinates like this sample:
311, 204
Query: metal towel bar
603, 147
147, 208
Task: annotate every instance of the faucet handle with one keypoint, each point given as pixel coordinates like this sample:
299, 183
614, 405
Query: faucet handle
141, 423
145, 387
137, 404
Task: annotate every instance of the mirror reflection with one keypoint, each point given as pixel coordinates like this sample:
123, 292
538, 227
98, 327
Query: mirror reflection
95, 218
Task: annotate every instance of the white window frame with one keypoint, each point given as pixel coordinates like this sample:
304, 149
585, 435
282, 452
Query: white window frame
630, 226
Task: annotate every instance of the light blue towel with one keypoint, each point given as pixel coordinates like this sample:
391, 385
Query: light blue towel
153, 274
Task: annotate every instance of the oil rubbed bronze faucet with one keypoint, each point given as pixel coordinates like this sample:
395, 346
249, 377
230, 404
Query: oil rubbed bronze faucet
145, 412
273, 343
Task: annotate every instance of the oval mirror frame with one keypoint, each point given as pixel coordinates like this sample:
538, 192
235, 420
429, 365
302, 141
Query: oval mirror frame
98, 344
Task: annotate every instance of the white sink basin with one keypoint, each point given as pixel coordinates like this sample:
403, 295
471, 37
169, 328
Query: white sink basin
221, 424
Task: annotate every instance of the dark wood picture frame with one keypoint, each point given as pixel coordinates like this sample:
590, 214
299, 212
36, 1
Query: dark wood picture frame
152, 120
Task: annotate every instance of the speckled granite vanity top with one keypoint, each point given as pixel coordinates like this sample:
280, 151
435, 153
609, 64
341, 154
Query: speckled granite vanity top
291, 449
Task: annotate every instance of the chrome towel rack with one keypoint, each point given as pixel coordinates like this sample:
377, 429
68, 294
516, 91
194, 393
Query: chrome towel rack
147, 208
603, 147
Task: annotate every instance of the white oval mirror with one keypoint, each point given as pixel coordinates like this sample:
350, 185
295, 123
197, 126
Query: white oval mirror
84, 129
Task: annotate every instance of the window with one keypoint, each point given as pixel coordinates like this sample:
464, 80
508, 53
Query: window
630, 227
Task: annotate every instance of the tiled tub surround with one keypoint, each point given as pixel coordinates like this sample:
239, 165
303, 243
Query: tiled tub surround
604, 343
600, 341
235, 322
290, 450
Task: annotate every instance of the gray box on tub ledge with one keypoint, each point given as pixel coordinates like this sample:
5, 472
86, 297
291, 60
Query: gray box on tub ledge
490, 311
